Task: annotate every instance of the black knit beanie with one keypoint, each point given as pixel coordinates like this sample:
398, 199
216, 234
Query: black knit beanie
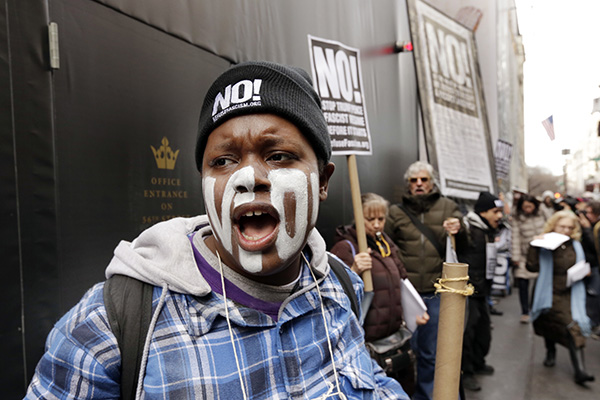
258, 87
487, 201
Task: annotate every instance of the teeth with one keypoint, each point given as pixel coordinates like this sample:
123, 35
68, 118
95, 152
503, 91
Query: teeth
253, 214
248, 237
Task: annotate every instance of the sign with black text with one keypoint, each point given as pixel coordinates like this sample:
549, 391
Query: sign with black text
503, 156
337, 78
454, 116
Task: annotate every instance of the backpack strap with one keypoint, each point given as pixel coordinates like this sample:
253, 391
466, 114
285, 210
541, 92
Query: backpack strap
128, 303
339, 269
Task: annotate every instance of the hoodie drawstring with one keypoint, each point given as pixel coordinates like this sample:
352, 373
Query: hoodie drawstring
330, 387
237, 361
144, 362
330, 392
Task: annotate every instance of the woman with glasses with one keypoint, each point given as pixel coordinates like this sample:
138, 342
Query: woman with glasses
558, 311
385, 316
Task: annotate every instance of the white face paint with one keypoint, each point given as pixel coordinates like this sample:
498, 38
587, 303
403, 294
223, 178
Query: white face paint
314, 184
283, 181
222, 227
250, 261
294, 181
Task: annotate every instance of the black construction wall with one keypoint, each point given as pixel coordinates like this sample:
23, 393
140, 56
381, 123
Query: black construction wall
78, 171
11, 338
28, 227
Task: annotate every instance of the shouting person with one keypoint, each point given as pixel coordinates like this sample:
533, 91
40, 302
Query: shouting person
244, 302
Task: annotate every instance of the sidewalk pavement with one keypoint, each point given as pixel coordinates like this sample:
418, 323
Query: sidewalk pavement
517, 355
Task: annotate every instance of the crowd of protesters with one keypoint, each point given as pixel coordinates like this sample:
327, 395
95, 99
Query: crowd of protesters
490, 229
419, 225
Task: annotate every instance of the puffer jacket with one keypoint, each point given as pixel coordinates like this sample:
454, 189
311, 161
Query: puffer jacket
385, 314
524, 228
421, 260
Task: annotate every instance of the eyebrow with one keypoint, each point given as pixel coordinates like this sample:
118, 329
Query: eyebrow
267, 137
271, 139
224, 145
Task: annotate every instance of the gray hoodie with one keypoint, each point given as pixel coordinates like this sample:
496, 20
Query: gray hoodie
163, 256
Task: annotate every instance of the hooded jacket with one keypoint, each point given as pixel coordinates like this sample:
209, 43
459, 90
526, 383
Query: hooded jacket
480, 234
385, 313
421, 260
189, 351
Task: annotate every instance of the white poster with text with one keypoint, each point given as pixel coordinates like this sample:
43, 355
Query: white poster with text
454, 115
338, 80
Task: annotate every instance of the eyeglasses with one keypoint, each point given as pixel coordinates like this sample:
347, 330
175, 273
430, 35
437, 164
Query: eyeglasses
565, 227
414, 180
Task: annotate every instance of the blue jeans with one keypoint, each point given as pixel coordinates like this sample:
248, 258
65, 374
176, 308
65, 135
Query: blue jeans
424, 345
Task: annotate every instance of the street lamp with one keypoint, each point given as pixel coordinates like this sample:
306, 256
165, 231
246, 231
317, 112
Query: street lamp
565, 152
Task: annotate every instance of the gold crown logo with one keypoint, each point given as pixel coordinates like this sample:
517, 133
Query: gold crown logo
164, 156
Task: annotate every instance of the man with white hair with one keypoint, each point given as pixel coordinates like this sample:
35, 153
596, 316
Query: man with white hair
419, 225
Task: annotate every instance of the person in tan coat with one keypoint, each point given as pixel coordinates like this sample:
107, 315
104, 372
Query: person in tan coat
547, 204
527, 222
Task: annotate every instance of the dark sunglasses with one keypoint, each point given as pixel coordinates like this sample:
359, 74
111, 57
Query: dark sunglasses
414, 180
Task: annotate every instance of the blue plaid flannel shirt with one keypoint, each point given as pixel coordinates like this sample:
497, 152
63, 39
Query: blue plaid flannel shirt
191, 356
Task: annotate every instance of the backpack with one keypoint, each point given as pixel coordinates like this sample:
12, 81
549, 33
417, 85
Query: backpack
128, 303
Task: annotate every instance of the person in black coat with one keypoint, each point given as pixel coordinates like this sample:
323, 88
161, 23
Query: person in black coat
482, 225
589, 219
558, 311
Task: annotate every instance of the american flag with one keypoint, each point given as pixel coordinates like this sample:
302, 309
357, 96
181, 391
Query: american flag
549, 125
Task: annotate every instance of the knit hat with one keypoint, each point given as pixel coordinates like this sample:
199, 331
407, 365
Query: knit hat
548, 193
258, 87
487, 201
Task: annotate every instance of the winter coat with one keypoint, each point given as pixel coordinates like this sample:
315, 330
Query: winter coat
553, 323
385, 314
421, 259
475, 254
524, 228
546, 211
588, 241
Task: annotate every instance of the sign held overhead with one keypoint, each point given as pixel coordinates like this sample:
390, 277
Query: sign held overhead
337, 78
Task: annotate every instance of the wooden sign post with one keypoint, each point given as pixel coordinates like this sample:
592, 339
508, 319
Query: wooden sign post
359, 219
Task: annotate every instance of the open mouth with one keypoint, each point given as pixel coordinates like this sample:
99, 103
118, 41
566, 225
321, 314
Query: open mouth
257, 228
